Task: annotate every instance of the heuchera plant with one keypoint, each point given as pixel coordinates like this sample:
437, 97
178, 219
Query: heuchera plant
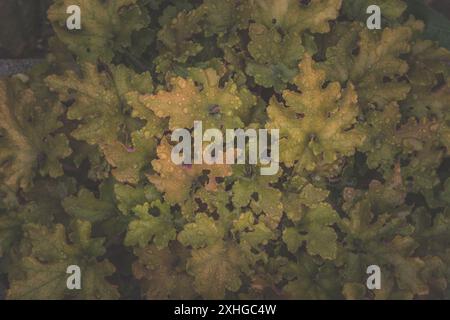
364, 116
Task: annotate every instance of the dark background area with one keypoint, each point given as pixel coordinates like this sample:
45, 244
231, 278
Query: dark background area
443, 6
24, 27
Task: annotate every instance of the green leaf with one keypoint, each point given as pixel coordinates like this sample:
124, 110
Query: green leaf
148, 228
259, 235
274, 65
44, 269
187, 102
10, 232
256, 192
315, 229
106, 27
110, 117
129, 197
309, 279
295, 16
177, 181
314, 124
86, 206
372, 60
29, 143
204, 231
162, 274
216, 270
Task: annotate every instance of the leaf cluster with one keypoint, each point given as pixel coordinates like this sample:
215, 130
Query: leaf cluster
86, 176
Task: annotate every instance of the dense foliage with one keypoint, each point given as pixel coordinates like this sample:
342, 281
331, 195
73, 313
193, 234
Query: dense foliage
364, 119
